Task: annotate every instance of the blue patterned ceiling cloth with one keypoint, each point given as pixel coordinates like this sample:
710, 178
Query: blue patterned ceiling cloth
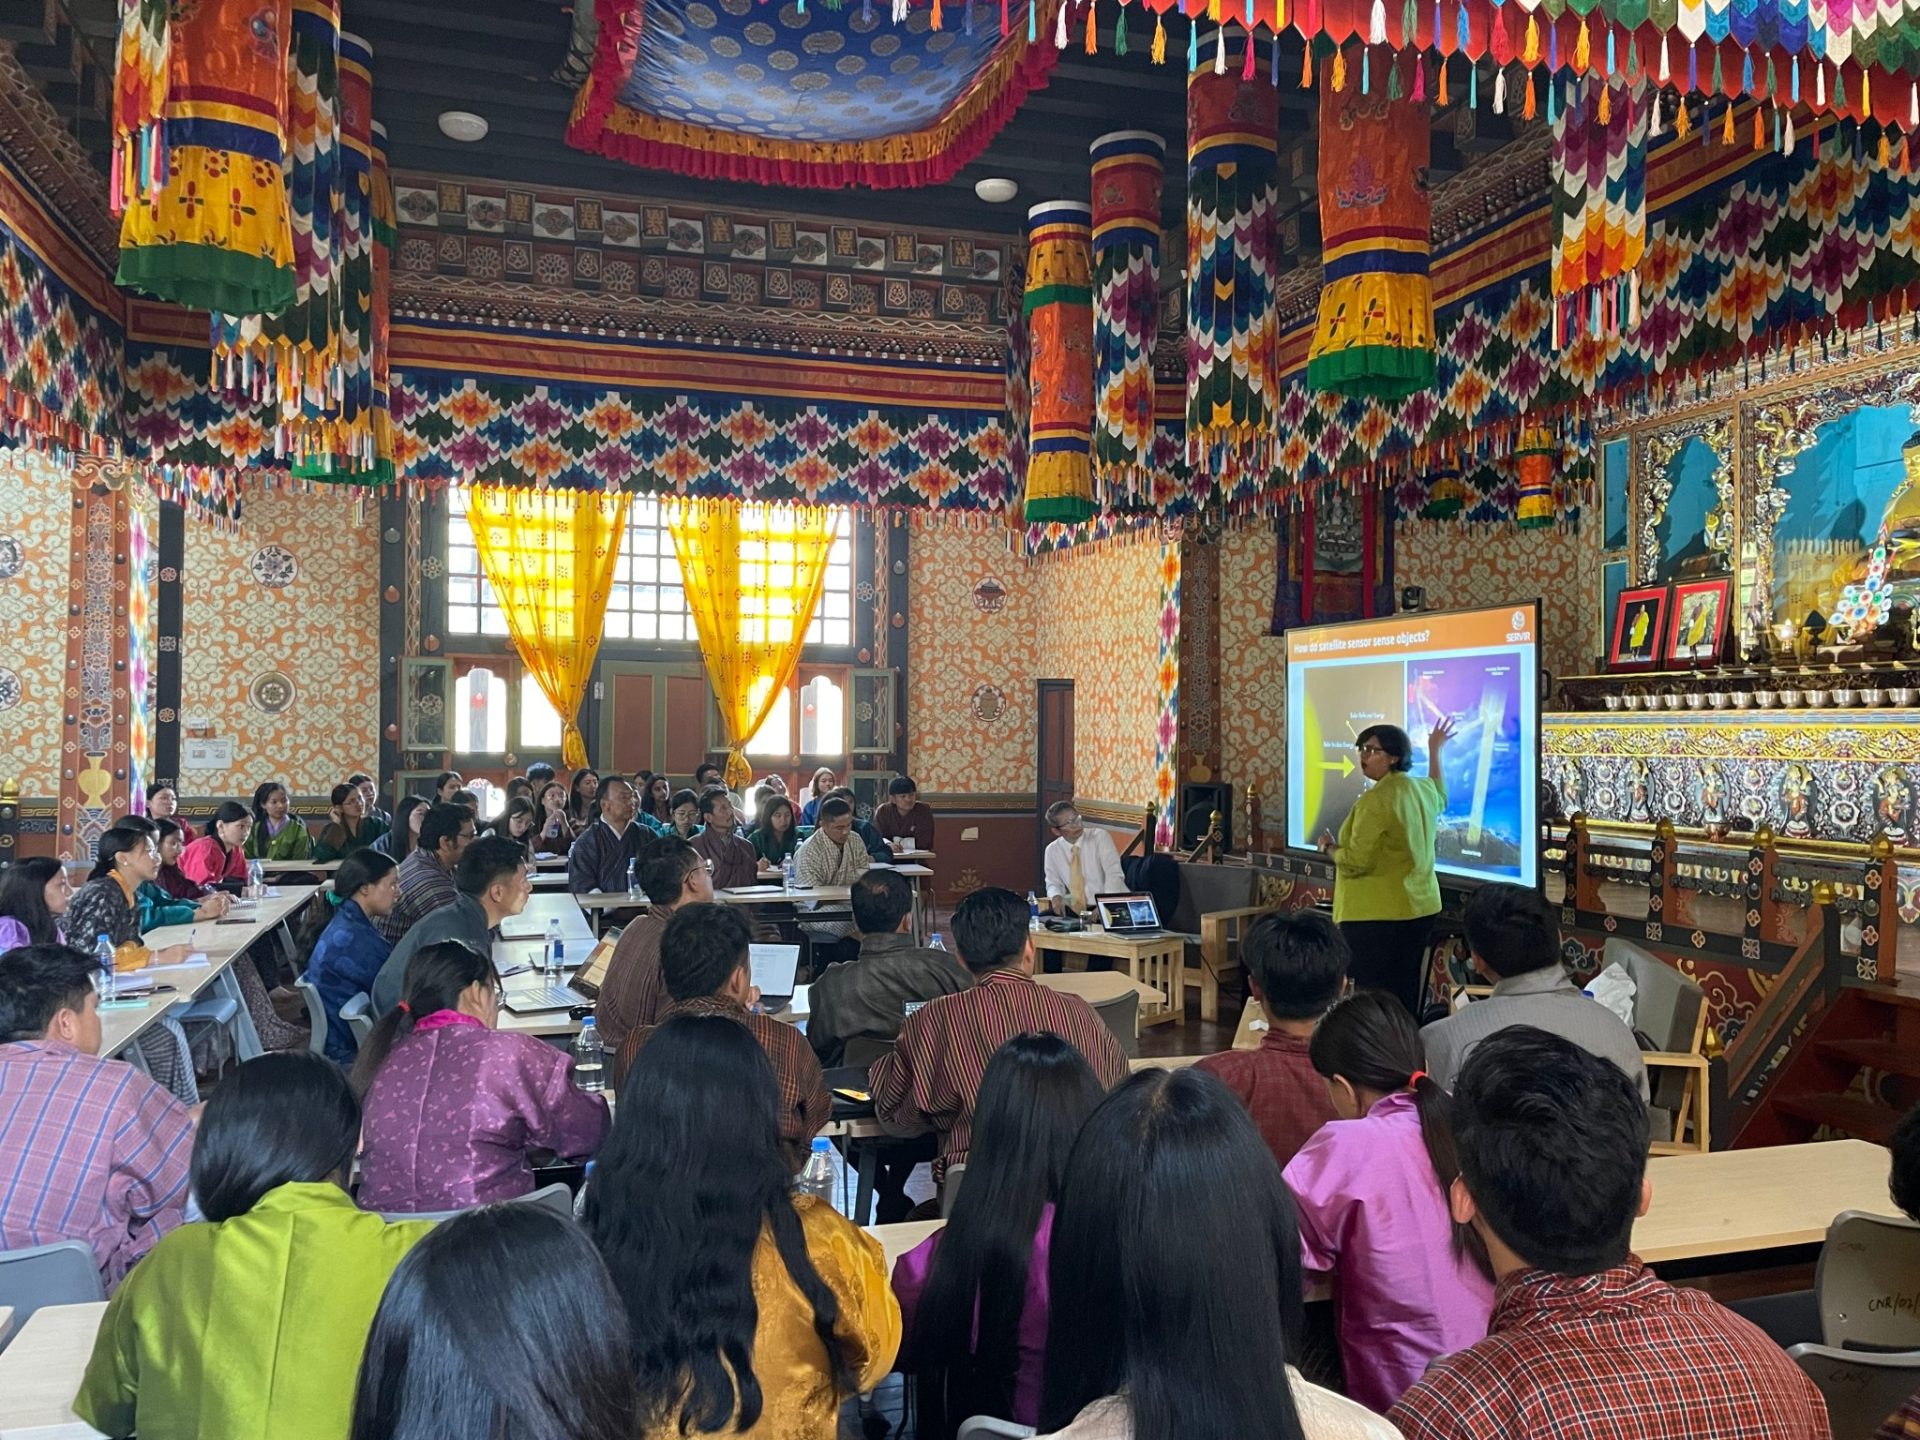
777, 93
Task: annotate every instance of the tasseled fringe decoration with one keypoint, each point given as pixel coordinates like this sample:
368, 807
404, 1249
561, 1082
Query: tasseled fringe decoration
1796, 79
1120, 32
1463, 32
1339, 68
1004, 26
1726, 130
1157, 52
1582, 49
1633, 58
1906, 153
1819, 85
1273, 63
1693, 66
1394, 92
1666, 69
1473, 85
1746, 73
1886, 151
1246, 67
1553, 49
1060, 26
1717, 77
1500, 90
1249, 16
938, 15
1776, 127
1377, 23
1553, 96
1306, 68
1409, 26
1682, 121
1527, 106
1773, 82
1419, 77
1193, 46
968, 12
1866, 94
900, 12
1759, 129
1606, 104
1366, 70
1033, 21
1656, 122
1610, 50
1913, 106
1532, 53
1213, 10
1093, 37
1440, 98
1787, 149
1839, 88
1220, 51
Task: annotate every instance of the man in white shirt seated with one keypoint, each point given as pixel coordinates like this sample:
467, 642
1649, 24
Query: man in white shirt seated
1080, 863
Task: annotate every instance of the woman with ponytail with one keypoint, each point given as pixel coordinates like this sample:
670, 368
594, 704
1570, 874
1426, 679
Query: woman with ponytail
1371, 1188
454, 1107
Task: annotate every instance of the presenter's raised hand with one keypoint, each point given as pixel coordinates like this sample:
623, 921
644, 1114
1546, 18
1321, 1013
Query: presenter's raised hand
1437, 739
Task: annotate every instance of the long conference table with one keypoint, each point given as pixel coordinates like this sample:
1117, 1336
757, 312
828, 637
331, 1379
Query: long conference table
1728, 1202
122, 1022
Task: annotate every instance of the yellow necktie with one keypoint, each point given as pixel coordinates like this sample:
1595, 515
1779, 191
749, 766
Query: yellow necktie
1076, 882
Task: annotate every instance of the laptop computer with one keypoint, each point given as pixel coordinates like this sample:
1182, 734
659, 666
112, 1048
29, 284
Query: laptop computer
1132, 914
582, 989
774, 969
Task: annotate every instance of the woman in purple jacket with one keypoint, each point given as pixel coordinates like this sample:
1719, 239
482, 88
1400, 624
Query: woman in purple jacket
973, 1297
455, 1107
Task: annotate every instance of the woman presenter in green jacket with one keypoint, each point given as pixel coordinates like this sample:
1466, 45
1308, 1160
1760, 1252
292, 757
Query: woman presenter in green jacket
1385, 893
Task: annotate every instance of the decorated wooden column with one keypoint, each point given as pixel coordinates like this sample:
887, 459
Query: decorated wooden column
1059, 310
1374, 335
1128, 171
102, 709
1233, 327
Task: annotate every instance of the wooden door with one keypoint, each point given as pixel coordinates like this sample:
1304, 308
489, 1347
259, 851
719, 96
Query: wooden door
653, 717
1056, 750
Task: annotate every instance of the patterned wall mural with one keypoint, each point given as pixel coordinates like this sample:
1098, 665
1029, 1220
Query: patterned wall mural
279, 643
974, 609
1253, 681
1463, 566
1099, 626
36, 518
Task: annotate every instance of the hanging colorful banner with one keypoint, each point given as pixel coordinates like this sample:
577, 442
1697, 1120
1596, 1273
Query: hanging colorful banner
1233, 328
334, 439
1599, 206
1128, 170
1374, 336
288, 360
206, 222
1059, 310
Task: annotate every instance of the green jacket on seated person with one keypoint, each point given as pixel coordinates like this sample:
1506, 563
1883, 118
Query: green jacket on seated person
292, 843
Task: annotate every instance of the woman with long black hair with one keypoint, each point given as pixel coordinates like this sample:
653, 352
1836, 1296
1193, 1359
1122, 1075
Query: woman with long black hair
1371, 1190
219, 855
456, 1354
253, 1324
278, 834
33, 902
751, 1310
1175, 1279
973, 1296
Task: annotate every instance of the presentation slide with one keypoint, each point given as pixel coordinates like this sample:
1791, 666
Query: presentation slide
1480, 667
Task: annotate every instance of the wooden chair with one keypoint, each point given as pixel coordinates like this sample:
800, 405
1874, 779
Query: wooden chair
1220, 935
1861, 1390
1671, 1011
1866, 1280
1122, 1016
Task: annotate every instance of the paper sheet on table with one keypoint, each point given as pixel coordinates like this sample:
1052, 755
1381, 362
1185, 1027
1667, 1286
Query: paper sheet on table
197, 961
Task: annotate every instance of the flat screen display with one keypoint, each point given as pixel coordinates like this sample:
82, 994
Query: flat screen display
1482, 668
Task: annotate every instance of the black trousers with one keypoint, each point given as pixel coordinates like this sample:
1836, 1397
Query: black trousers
1391, 955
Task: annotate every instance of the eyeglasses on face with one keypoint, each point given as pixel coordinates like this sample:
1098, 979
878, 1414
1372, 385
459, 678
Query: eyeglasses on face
1371, 749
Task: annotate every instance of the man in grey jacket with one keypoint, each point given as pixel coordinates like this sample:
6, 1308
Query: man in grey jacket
1515, 940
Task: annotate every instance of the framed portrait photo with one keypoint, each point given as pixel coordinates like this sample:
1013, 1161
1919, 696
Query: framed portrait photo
1697, 623
1639, 628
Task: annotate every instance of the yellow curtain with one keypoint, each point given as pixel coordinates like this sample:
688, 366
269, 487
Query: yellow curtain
549, 556
753, 575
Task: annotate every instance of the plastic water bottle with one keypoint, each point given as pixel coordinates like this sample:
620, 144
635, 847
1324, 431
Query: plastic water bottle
633, 879
789, 874
1033, 911
580, 1195
256, 879
103, 957
589, 1058
821, 1177
555, 950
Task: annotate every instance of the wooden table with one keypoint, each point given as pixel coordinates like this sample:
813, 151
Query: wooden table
1158, 962
575, 934
1731, 1202
299, 867
6, 1322
40, 1373
897, 1239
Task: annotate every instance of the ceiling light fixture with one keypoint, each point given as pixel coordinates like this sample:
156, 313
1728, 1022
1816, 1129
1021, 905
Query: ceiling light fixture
462, 125
995, 190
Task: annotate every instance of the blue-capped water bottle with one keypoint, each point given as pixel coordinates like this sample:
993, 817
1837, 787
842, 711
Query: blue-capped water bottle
633, 879
590, 1058
555, 951
789, 874
103, 957
821, 1177
1033, 911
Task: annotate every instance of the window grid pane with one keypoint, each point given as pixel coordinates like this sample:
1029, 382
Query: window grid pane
648, 602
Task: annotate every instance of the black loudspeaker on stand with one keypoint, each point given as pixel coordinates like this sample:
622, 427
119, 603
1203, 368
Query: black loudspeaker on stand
1198, 801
